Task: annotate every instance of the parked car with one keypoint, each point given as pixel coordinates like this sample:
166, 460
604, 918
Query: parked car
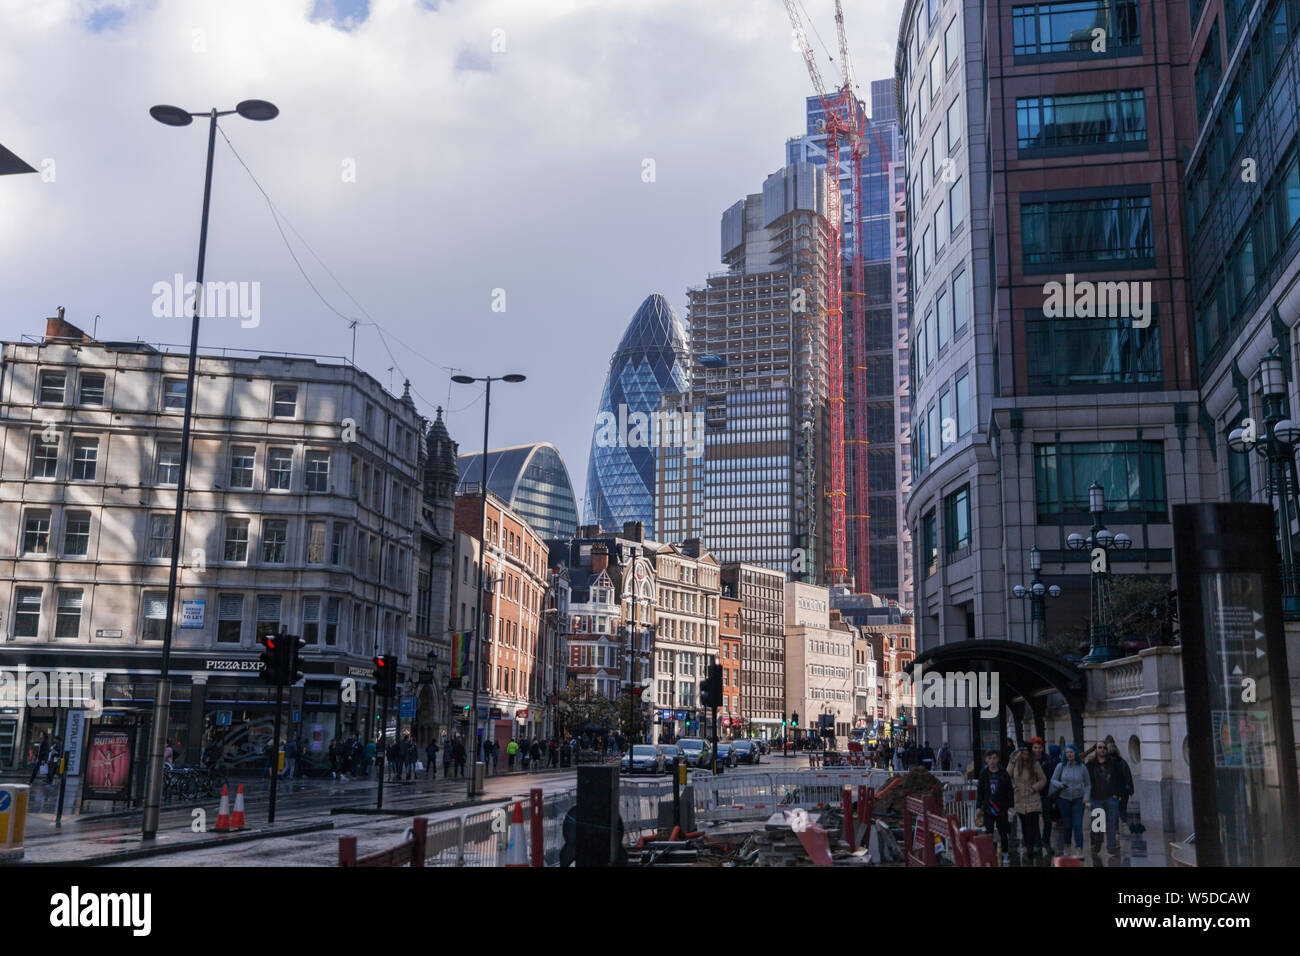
762, 745
747, 751
726, 754
695, 752
645, 758
671, 754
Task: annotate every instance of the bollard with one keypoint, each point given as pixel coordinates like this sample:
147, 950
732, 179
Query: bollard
535, 821
13, 820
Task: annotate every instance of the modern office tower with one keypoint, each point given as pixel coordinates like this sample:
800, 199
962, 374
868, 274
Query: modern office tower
1243, 206
873, 386
899, 283
761, 593
679, 467
532, 480
1051, 342
760, 361
650, 361
290, 520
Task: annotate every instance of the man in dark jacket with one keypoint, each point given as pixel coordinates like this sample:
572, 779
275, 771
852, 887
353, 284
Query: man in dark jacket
1048, 763
41, 755
1108, 782
995, 798
1126, 776
927, 756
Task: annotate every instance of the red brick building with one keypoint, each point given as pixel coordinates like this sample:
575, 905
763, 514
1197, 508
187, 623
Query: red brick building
730, 716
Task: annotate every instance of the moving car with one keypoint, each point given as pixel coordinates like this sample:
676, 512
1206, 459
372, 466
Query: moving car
645, 758
748, 751
695, 752
726, 754
762, 745
671, 755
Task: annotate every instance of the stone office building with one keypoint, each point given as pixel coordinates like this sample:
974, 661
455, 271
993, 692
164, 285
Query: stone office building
292, 521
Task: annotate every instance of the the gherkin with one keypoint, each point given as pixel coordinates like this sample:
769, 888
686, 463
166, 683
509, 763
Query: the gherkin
651, 360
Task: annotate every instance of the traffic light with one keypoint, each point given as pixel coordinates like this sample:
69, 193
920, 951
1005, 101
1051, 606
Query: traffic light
386, 675
292, 648
272, 658
794, 719
711, 689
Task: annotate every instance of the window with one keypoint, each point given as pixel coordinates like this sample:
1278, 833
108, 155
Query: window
960, 311
927, 251
311, 619
1238, 475
963, 403
947, 424
52, 388
67, 615
316, 542
153, 615
275, 537
36, 533
91, 390
45, 456
1066, 353
1066, 27
242, 460
230, 618
332, 621
1131, 473
27, 612
954, 124
279, 468
236, 547
931, 340
76, 534
956, 519
952, 43
160, 536
85, 457
339, 544
929, 543
174, 394
318, 470
936, 149
168, 469
936, 74
1083, 119
1111, 229
1208, 73
957, 203
268, 614
284, 401
926, 175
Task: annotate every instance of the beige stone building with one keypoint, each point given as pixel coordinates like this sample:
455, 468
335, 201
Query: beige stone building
820, 678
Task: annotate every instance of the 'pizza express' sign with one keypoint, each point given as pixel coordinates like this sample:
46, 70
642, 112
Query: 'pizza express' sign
233, 665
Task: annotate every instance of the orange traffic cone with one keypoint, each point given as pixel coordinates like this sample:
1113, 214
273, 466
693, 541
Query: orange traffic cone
223, 812
237, 818
517, 851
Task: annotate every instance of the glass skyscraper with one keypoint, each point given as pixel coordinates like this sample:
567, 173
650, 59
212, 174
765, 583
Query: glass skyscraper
533, 480
650, 361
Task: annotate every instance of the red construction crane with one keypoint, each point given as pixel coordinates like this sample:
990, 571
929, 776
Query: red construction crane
843, 119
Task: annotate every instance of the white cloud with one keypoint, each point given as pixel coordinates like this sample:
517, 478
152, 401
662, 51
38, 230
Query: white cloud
475, 170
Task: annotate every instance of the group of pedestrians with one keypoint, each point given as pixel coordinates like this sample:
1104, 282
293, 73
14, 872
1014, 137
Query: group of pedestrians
1049, 784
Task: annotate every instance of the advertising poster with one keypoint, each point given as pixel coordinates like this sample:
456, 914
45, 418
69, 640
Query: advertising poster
108, 763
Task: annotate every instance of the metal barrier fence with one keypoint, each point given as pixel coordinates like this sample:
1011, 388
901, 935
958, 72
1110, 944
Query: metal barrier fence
638, 805
481, 838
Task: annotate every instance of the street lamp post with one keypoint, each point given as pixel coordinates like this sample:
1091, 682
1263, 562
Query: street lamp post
1101, 629
487, 380
1037, 594
174, 116
1277, 447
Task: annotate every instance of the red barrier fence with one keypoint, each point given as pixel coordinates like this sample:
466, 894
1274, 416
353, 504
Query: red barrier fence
922, 823
409, 853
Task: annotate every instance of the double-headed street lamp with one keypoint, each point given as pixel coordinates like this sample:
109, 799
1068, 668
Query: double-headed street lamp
487, 380
1277, 447
175, 116
1036, 594
1101, 627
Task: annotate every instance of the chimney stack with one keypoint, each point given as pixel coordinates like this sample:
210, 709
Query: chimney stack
634, 530
599, 558
56, 329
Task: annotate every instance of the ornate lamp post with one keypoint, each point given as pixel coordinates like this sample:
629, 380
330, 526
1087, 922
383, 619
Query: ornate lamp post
1037, 594
1101, 628
1277, 447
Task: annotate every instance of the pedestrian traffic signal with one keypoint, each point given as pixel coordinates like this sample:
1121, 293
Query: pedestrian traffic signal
386, 675
794, 719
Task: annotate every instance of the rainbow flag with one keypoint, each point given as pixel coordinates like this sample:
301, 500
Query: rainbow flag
459, 654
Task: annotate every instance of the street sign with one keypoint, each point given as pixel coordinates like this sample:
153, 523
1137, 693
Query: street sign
407, 708
521, 714
296, 717
223, 718
494, 713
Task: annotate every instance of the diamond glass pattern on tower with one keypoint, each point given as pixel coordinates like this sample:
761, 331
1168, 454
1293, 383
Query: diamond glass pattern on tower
650, 361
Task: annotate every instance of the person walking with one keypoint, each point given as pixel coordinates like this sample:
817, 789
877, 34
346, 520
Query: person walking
1072, 787
412, 755
898, 759
994, 796
945, 757
553, 754
1108, 783
459, 755
1126, 780
927, 756
524, 755
1028, 783
40, 754
448, 750
372, 750
290, 759
512, 748
333, 754
1048, 762
431, 760
535, 754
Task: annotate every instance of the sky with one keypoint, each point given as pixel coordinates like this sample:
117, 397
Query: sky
496, 184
